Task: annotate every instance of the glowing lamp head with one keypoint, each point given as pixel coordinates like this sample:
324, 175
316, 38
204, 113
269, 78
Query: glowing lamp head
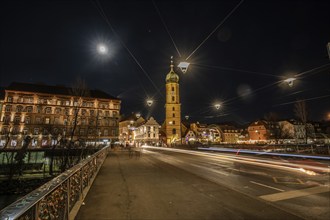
183, 66
187, 117
137, 115
149, 102
217, 106
289, 81
102, 49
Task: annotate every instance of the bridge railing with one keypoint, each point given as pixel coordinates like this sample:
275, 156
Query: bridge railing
61, 197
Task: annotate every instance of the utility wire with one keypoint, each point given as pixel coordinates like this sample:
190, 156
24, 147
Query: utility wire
231, 12
169, 34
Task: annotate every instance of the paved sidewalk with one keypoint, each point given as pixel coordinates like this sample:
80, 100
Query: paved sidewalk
145, 188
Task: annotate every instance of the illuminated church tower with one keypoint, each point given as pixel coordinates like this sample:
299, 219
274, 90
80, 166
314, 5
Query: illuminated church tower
172, 108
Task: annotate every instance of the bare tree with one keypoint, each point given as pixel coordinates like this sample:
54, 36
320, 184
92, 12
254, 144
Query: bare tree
301, 113
79, 90
273, 128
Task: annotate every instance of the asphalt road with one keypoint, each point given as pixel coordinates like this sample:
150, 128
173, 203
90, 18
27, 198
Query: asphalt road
171, 185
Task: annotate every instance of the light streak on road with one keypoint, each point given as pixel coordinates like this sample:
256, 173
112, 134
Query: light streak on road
300, 168
264, 153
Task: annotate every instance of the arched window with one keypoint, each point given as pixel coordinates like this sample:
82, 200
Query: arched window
173, 109
173, 99
174, 131
173, 89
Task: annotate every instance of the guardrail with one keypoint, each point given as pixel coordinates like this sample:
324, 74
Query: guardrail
61, 197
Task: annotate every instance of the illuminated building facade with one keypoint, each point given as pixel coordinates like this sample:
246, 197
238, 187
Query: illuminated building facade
50, 114
172, 108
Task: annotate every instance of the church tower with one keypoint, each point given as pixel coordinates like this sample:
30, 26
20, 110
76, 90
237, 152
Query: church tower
172, 108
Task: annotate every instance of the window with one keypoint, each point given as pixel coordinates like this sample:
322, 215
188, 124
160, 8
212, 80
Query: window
58, 111
38, 120
173, 122
47, 120
173, 115
173, 108
174, 131
83, 111
36, 131
67, 111
39, 108
48, 110
29, 109
82, 131
17, 120
56, 121
67, 102
173, 89
8, 108
91, 112
6, 119
19, 108
58, 102
107, 114
106, 132
27, 120
10, 99
173, 99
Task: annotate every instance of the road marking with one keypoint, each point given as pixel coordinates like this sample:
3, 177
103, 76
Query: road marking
287, 180
295, 193
260, 184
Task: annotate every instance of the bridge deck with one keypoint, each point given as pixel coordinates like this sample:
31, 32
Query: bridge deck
145, 188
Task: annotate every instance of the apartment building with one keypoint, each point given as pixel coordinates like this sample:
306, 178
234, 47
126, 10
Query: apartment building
51, 114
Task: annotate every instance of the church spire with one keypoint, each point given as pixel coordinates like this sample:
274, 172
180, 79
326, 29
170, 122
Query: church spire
172, 76
172, 64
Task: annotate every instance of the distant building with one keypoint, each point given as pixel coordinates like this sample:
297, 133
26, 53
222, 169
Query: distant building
258, 131
147, 132
127, 125
224, 133
50, 114
201, 132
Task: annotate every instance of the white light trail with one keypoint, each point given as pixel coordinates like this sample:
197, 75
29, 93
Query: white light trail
251, 161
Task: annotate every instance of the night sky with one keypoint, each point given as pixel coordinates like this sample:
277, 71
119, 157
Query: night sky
241, 64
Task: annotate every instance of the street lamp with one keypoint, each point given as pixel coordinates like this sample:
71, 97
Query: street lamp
217, 106
183, 66
186, 117
149, 102
290, 81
